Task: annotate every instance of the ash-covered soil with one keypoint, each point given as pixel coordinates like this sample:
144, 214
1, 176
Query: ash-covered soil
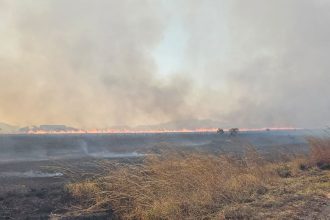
29, 191
36, 189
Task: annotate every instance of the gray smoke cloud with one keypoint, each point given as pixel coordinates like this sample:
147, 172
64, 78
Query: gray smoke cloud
85, 63
267, 59
90, 63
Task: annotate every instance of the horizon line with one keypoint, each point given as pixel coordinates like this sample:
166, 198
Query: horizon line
154, 131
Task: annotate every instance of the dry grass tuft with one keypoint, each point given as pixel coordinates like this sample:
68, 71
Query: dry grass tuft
319, 152
179, 185
175, 184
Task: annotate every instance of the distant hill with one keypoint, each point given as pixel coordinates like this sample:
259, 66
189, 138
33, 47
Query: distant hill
6, 128
47, 128
190, 124
121, 127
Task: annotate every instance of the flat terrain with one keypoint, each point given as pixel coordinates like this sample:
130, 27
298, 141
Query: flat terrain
54, 147
34, 170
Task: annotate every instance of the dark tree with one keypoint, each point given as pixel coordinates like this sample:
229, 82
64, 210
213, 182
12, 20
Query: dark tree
233, 131
220, 131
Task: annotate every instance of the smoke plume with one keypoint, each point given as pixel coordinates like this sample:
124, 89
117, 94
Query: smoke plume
90, 63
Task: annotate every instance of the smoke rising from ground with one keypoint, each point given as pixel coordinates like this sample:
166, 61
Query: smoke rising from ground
90, 63
30, 174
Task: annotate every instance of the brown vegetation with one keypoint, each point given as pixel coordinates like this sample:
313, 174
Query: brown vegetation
179, 185
319, 152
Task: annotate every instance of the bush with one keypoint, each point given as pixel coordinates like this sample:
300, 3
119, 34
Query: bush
319, 152
284, 171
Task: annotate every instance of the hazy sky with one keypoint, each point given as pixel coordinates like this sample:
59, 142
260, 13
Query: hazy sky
102, 63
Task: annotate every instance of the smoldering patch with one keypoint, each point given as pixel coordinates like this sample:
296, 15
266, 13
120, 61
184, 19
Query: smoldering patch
115, 155
30, 174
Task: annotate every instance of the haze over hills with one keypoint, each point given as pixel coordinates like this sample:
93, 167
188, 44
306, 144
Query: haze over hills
188, 124
7, 128
47, 128
180, 125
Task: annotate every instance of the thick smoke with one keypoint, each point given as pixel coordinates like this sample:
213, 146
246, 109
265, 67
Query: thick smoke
90, 63
85, 63
267, 59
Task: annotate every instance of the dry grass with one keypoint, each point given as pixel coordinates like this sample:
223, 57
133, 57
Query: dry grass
182, 185
178, 185
319, 152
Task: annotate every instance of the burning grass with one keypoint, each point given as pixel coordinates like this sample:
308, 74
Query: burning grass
182, 185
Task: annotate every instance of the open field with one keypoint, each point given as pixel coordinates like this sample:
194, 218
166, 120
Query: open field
183, 176
53, 147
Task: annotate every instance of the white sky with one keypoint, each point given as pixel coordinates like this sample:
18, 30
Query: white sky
169, 54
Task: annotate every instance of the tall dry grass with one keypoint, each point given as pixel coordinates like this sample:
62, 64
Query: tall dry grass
173, 184
178, 185
319, 152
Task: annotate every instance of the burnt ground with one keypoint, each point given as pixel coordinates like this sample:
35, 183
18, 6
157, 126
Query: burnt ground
24, 196
32, 198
